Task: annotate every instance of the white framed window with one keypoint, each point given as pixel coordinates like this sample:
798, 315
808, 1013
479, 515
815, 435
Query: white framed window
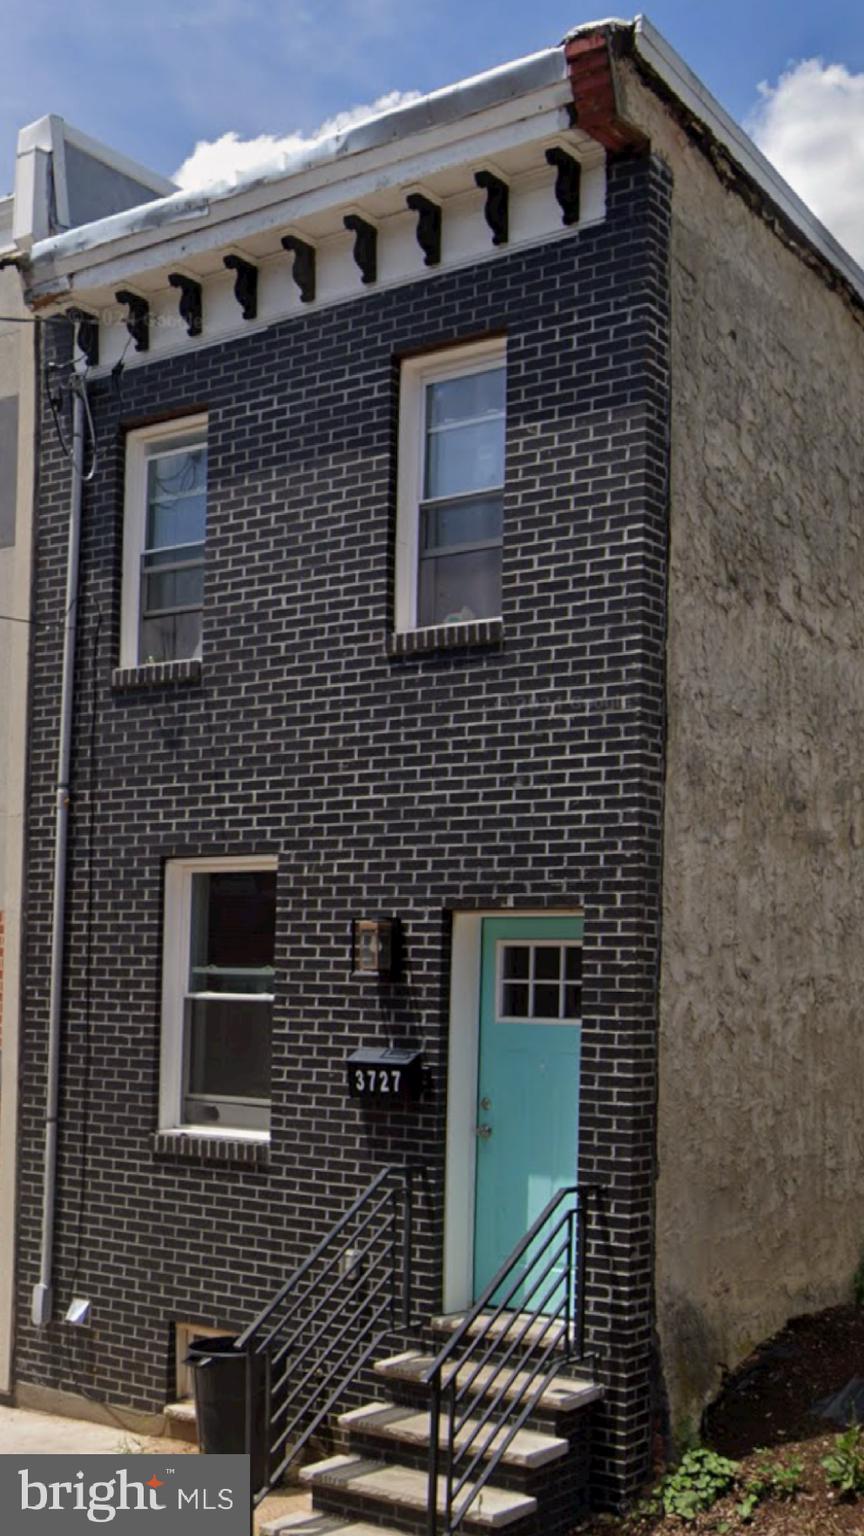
217, 994
452, 421
539, 981
164, 530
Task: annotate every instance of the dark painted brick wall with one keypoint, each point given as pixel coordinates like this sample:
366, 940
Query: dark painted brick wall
529, 773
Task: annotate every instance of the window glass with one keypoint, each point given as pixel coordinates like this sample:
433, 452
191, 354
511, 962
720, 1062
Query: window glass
172, 561
228, 1006
540, 982
459, 537
459, 588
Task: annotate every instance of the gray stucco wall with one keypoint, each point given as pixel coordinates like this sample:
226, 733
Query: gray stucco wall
760, 1201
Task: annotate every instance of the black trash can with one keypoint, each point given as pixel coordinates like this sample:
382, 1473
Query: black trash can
219, 1374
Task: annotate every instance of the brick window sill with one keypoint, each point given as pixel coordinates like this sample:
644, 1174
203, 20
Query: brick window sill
252, 1151
446, 637
155, 674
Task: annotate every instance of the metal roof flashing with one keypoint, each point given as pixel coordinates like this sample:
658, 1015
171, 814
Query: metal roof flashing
437, 110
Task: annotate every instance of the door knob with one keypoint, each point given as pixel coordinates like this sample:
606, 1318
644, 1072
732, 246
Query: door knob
483, 1131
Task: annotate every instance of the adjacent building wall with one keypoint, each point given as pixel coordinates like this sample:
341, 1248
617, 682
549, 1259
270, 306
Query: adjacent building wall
17, 354
760, 1209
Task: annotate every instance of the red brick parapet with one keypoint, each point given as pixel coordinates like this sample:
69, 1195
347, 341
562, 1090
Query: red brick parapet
592, 80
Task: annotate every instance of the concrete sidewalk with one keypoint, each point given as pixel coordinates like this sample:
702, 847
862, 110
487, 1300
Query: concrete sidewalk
24, 1432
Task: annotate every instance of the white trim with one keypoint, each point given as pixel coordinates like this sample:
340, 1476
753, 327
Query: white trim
461, 1143
138, 444
118, 248
462, 1069
176, 937
416, 373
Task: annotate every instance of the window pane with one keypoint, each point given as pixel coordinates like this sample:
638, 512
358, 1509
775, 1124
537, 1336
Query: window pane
171, 637
164, 591
547, 1001
573, 962
516, 960
515, 1000
471, 395
461, 459
233, 931
229, 1048
547, 963
176, 498
468, 522
176, 522
460, 587
572, 1002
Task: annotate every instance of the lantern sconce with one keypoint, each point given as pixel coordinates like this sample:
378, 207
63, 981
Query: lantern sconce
375, 947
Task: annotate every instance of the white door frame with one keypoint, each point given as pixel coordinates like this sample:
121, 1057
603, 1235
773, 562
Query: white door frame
461, 1144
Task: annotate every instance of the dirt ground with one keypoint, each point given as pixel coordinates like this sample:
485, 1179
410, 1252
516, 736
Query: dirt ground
765, 1406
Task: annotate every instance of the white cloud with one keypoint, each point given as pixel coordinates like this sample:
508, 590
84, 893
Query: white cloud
224, 161
811, 125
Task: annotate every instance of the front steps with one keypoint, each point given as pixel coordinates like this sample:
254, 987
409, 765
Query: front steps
378, 1486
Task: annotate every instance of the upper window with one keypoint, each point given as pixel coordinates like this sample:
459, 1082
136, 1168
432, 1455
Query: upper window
451, 487
220, 921
163, 542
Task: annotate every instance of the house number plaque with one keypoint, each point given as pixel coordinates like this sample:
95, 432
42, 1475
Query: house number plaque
385, 1076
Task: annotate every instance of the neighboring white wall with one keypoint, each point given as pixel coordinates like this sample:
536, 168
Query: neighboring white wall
17, 353
760, 1201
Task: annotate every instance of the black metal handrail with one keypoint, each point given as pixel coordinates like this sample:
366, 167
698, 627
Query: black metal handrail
492, 1372
325, 1323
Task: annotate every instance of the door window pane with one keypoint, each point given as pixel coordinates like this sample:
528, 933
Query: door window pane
540, 982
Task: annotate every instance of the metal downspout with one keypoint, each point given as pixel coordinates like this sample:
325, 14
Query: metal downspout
42, 1306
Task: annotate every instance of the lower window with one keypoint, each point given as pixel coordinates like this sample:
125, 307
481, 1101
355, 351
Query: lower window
220, 922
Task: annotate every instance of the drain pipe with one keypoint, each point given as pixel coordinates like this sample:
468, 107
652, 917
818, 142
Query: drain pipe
42, 1306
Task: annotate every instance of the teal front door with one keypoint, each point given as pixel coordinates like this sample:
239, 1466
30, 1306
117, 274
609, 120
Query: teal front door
528, 1080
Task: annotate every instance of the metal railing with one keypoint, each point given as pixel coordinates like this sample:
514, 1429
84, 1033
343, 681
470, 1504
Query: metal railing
491, 1374
325, 1323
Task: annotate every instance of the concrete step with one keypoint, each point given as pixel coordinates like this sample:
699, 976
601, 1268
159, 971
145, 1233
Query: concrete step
180, 1420
403, 1426
505, 1328
564, 1394
394, 1488
322, 1525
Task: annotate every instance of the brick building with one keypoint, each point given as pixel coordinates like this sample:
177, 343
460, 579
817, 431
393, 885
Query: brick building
469, 563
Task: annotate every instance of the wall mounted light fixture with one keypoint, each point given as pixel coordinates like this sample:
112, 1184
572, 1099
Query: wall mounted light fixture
374, 946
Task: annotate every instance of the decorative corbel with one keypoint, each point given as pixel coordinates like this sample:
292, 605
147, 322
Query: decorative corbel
497, 210
567, 181
191, 301
138, 318
245, 283
428, 226
303, 266
88, 335
365, 245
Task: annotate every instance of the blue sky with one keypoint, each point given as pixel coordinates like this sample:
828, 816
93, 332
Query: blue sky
153, 77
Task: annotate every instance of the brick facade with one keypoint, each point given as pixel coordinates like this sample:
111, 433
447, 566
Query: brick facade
522, 770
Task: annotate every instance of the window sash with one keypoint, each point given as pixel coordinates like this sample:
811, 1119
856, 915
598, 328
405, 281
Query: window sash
144, 557
416, 432
181, 1103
